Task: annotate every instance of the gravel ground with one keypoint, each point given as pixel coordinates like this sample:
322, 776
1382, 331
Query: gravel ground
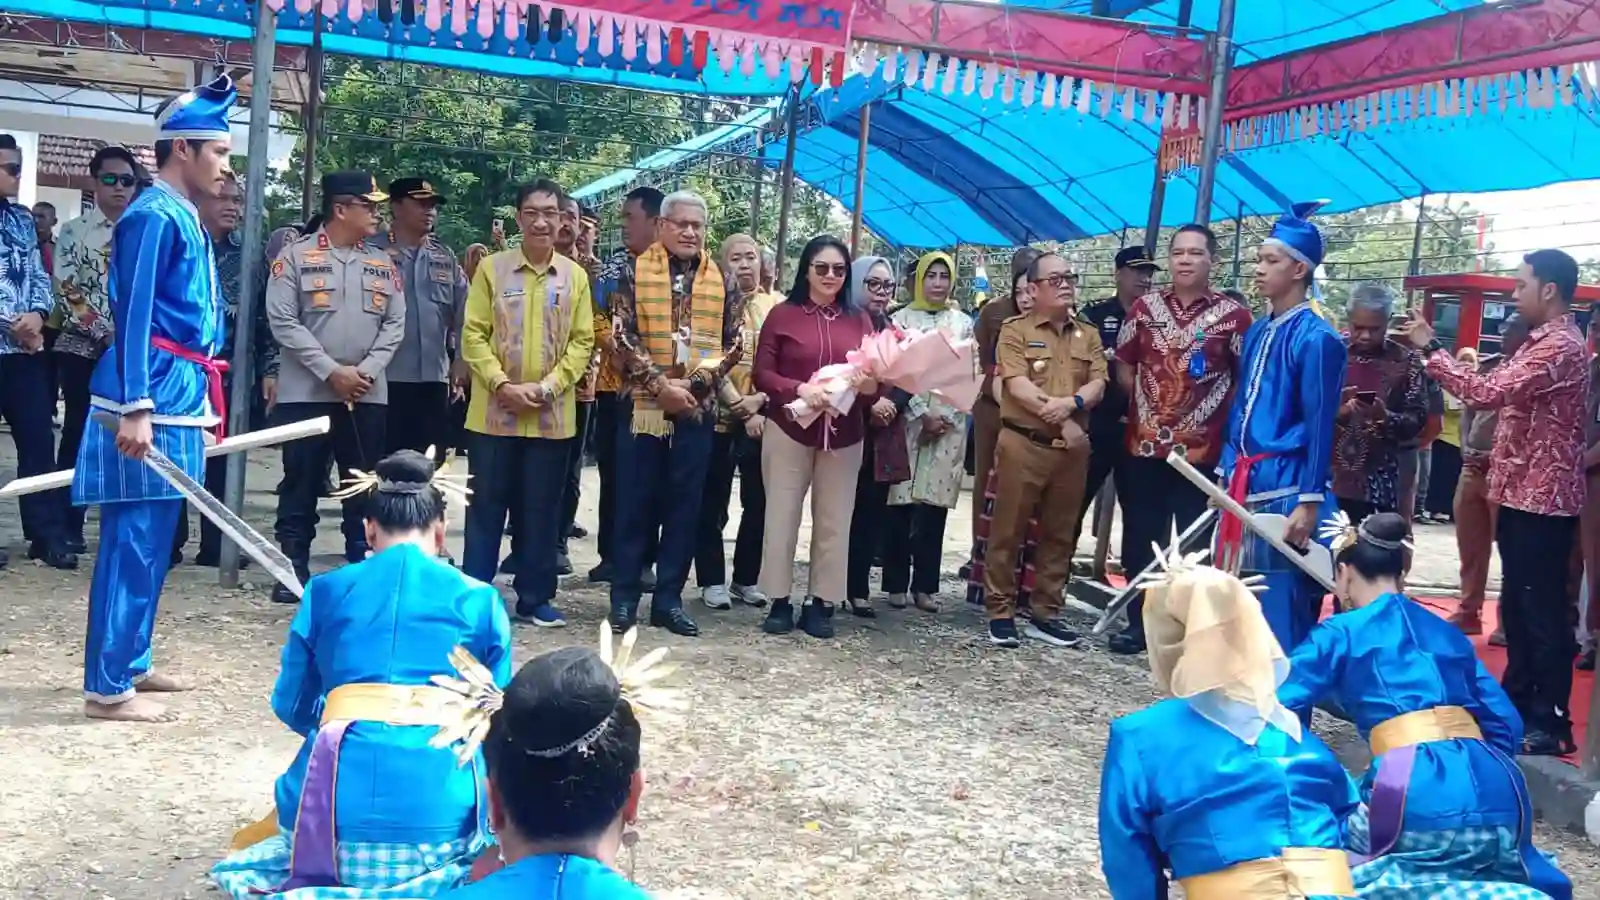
903, 759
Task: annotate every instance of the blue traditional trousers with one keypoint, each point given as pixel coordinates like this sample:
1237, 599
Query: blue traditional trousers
1292, 601
135, 554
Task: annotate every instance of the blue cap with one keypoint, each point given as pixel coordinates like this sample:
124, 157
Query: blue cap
1297, 236
201, 114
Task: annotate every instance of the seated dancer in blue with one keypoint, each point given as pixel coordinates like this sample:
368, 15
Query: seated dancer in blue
1446, 813
164, 388
564, 773
1252, 803
352, 820
1279, 453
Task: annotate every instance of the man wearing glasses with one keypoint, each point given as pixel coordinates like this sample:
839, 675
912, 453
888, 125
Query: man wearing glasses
337, 309
679, 325
1177, 356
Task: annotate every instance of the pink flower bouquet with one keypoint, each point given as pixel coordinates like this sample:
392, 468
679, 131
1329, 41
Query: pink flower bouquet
916, 362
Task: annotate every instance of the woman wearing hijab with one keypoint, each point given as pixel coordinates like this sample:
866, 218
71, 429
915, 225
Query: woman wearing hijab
1256, 809
1445, 810
936, 441
883, 460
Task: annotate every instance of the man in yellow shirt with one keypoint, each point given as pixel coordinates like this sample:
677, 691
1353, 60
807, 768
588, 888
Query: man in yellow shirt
528, 339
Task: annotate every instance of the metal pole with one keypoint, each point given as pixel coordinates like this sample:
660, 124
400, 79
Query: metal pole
786, 183
313, 118
1211, 138
1415, 266
1238, 233
1158, 197
861, 181
251, 266
760, 174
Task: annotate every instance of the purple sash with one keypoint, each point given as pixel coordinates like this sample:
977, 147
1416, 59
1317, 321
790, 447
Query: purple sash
314, 854
1386, 809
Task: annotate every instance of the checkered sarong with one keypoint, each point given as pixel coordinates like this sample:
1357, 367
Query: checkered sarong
980, 546
367, 870
1466, 864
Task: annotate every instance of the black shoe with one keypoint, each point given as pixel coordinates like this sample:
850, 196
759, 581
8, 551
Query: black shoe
816, 619
965, 572
1538, 742
674, 620
780, 618
508, 566
600, 574
354, 553
1003, 633
55, 556
577, 531
622, 619
212, 559
1126, 643
1052, 632
281, 594
563, 565
76, 545
1586, 661
177, 557
861, 609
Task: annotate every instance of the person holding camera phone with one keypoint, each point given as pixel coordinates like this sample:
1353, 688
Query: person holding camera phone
1383, 404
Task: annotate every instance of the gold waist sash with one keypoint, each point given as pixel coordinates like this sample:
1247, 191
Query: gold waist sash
1442, 723
1300, 872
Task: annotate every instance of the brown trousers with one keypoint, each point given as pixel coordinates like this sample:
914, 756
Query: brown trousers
1475, 519
789, 470
1032, 480
985, 433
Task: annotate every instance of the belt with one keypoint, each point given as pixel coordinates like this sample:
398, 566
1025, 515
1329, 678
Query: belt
394, 704
1043, 439
1441, 723
1299, 872
213, 369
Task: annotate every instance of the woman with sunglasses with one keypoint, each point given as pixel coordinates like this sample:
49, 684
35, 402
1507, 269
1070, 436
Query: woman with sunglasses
883, 458
936, 440
816, 325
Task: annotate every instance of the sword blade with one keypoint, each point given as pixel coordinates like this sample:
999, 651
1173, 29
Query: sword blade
237, 530
1114, 609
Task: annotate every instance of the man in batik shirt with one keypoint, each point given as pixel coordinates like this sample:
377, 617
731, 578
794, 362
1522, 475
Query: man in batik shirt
1383, 404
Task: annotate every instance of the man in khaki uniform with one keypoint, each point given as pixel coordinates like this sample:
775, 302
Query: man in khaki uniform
1053, 368
337, 309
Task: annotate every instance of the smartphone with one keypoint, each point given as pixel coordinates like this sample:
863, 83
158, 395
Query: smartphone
1366, 397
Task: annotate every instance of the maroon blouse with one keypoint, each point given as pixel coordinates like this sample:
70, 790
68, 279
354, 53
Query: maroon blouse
796, 341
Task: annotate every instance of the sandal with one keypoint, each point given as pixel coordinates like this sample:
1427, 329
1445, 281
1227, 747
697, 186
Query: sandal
898, 601
861, 609
926, 603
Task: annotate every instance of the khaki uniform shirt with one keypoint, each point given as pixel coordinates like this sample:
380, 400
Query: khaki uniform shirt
328, 308
1058, 362
436, 301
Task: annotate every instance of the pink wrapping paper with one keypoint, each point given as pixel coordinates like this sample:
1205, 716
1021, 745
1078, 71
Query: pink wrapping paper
916, 362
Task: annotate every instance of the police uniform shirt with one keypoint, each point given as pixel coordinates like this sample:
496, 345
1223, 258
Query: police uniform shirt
1109, 418
436, 298
1060, 363
331, 307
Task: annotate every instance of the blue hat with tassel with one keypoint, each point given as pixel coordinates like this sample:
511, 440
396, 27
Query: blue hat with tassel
201, 114
1296, 236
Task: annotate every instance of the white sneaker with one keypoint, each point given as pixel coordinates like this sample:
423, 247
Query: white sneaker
749, 595
716, 597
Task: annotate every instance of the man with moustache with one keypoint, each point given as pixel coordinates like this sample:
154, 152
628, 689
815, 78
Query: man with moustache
1177, 353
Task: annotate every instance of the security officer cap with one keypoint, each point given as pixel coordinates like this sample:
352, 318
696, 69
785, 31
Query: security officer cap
352, 184
1136, 257
415, 189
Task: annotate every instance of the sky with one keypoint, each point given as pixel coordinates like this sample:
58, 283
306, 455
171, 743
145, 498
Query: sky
1561, 215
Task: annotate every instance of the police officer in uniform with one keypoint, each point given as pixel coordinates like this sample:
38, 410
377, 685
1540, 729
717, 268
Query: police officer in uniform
436, 297
337, 309
1054, 372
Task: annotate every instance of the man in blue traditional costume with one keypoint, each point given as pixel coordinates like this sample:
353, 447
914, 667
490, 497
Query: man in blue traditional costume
1279, 453
162, 383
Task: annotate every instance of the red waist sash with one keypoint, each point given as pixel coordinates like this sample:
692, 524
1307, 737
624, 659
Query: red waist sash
213, 369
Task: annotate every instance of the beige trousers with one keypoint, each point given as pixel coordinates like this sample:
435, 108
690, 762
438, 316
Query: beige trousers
789, 469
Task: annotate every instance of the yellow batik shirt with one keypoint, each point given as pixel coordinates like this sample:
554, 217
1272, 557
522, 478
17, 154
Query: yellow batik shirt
755, 313
524, 325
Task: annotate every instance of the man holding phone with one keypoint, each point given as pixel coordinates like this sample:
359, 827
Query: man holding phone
1382, 405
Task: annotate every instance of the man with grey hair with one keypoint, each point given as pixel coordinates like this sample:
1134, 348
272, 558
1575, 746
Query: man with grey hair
678, 329
1382, 405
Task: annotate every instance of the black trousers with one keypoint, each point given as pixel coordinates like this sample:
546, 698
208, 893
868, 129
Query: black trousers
354, 442
572, 484
28, 406
1443, 473
418, 418
1156, 499
72, 374
521, 478
606, 412
659, 511
732, 452
210, 535
1540, 645
913, 548
1106, 455
866, 529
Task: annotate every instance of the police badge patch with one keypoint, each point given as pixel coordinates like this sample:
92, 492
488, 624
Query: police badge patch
278, 269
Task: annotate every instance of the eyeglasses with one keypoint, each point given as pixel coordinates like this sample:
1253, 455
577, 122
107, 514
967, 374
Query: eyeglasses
837, 270
12, 169
542, 215
359, 202
879, 285
1060, 280
685, 224
110, 179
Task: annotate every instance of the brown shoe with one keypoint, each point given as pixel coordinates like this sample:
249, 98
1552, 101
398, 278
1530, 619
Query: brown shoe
1469, 622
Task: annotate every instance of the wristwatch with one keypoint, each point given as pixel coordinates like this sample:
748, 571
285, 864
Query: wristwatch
1432, 346
1078, 401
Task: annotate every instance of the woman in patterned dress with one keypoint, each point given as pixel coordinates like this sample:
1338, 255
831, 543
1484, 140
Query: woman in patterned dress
351, 820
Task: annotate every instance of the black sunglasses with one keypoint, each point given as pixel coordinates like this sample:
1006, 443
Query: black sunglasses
1060, 279
879, 285
837, 270
112, 180
12, 169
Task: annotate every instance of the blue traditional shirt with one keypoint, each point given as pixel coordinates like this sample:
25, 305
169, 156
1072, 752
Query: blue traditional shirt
390, 619
24, 284
552, 877
1226, 803
1291, 375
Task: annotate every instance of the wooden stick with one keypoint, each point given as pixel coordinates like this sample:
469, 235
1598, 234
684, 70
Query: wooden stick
252, 440
1229, 505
